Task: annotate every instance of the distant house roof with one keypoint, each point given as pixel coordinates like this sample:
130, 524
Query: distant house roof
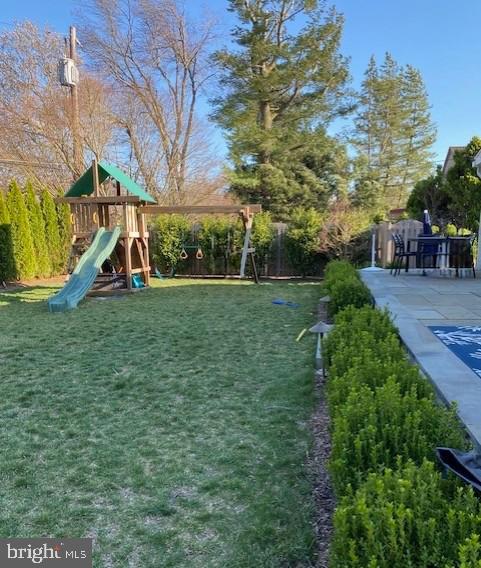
396, 214
449, 160
85, 184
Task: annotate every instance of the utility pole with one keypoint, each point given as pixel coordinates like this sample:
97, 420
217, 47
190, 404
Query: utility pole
75, 118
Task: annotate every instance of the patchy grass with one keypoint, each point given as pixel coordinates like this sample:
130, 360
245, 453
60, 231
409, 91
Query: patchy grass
170, 426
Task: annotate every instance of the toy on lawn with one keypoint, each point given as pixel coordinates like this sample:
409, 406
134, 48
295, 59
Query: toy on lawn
108, 217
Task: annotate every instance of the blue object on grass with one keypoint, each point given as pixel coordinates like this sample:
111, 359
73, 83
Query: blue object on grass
281, 302
464, 341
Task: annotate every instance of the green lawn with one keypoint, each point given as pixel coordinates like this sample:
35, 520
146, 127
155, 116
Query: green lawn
171, 426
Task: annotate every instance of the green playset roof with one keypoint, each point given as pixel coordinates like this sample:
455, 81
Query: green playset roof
85, 184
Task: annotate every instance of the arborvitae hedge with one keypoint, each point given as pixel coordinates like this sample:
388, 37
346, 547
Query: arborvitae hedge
7, 260
65, 234
25, 262
8, 270
35, 238
52, 232
4, 215
37, 226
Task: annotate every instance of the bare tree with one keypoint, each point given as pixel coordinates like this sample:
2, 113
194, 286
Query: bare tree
35, 130
32, 122
156, 63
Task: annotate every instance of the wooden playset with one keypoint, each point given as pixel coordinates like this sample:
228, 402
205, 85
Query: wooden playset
110, 238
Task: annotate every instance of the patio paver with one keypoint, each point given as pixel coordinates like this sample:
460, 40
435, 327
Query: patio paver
416, 302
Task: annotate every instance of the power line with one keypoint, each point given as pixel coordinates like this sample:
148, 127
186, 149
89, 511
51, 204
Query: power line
13, 162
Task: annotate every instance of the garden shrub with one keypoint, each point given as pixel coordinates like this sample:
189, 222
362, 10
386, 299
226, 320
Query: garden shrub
352, 322
348, 292
52, 233
337, 270
37, 226
451, 230
303, 239
168, 232
23, 247
220, 238
7, 259
395, 510
65, 234
469, 553
374, 428
262, 234
354, 366
4, 215
409, 517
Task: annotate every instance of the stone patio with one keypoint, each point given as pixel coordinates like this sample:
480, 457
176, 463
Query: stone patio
416, 302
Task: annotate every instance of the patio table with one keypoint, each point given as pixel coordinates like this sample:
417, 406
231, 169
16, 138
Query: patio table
440, 243
444, 247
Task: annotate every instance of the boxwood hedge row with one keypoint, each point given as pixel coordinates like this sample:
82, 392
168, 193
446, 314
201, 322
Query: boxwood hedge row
395, 508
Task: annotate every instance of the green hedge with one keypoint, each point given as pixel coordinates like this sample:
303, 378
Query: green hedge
219, 237
345, 288
373, 429
407, 517
395, 509
35, 237
338, 270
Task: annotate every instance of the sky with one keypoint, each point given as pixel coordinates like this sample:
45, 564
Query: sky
440, 38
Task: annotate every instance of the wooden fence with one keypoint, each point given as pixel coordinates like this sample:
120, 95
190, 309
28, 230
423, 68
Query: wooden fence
275, 264
408, 229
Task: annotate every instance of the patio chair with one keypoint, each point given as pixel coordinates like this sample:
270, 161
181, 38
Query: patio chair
429, 247
461, 253
400, 253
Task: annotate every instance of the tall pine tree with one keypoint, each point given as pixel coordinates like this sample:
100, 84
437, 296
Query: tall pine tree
37, 226
282, 86
52, 232
393, 135
22, 239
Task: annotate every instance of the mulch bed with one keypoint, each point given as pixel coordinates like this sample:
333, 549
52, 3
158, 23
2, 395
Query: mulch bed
323, 494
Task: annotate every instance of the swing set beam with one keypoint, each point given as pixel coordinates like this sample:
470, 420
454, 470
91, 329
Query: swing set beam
200, 209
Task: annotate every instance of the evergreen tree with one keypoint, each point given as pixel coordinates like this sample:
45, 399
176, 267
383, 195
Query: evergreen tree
418, 133
37, 226
282, 87
7, 261
22, 239
432, 194
464, 187
65, 234
4, 215
52, 231
393, 134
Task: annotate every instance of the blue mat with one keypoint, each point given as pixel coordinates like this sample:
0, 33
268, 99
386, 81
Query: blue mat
464, 341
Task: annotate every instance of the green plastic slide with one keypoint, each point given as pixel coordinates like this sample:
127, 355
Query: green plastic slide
85, 273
